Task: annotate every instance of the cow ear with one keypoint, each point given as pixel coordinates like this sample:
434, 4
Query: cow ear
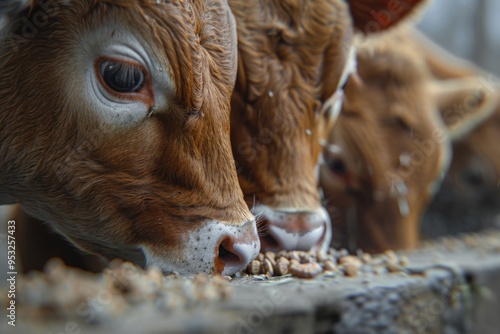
371, 16
10, 9
464, 104
442, 64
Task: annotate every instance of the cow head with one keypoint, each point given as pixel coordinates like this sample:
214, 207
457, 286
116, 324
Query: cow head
115, 129
389, 147
294, 58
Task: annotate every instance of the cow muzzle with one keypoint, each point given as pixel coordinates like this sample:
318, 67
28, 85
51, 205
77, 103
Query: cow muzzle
292, 229
216, 248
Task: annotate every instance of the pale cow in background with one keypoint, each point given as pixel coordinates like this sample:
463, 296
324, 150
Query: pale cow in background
389, 148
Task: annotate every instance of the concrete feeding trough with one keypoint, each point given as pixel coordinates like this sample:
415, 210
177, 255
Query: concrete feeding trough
447, 286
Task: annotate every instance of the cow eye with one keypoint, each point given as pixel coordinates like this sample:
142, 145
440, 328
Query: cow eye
398, 122
122, 77
337, 166
402, 123
472, 177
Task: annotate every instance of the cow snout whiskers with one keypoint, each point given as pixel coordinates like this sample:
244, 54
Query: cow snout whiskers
294, 229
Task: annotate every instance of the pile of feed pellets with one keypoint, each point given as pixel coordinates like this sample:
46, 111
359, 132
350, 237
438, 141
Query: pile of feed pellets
331, 263
61, 291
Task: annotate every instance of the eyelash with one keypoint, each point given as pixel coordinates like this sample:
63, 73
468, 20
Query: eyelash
122, 77
125, 80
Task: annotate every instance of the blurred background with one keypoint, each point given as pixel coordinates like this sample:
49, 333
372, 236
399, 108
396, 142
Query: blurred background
468, 28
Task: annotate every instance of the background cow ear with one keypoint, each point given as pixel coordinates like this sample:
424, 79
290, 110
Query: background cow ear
372, 16
10, 9
442, 63
464, 104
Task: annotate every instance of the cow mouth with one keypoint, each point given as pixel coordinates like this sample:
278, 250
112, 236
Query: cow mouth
270, 243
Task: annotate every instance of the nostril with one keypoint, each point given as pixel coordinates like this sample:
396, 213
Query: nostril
235, 247
226, 256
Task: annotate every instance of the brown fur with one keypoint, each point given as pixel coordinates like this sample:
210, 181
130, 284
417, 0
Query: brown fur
284, 49
110, 190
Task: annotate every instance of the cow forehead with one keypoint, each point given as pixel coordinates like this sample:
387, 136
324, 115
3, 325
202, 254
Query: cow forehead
384, 135
390, 56
290, 65
281, 50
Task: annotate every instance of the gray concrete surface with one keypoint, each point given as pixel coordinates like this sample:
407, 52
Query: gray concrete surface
449, 288
479, 260
386, 304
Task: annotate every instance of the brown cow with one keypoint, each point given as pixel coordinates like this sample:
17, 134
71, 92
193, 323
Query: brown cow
294, 57
115, 129
390, 147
